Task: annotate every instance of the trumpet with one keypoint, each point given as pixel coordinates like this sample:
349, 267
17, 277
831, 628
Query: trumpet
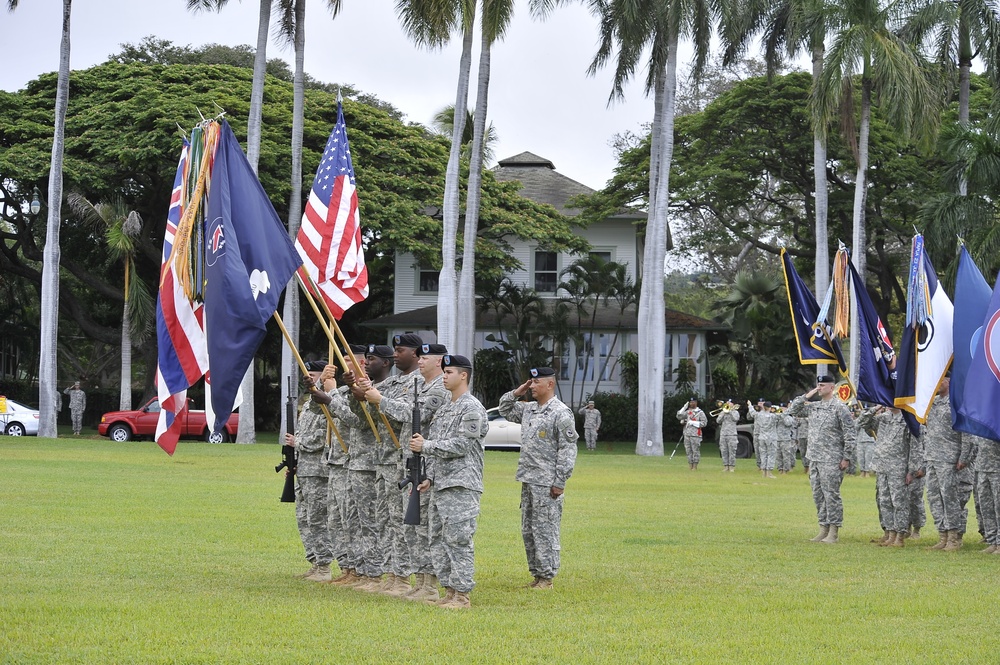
725, 408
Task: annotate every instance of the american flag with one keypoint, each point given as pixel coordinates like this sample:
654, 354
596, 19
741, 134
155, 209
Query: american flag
182, 354
329, 239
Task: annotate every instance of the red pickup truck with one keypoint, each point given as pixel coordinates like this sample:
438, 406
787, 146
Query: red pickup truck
128, 425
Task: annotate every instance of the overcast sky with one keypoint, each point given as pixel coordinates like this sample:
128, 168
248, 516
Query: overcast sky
541, 99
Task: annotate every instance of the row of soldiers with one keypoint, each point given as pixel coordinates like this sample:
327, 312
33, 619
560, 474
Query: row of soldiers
350, 505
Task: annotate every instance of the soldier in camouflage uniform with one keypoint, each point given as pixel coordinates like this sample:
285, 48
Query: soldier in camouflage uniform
803, 442
77, 404
831, 449
338, 489
398, 408
455, 478
758, 424
764, 438
865, 441
946, 457
728, 438
548, 454
591, 424
309, 442
784, 441
896, 461
986, 464
693, 419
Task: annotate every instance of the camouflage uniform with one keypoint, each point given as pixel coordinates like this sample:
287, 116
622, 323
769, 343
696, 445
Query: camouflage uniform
548, 454
918, 515
987, 470
865, 443
764, 433
895, 456
399, 410
784, 441
361, 480
803, 440
591, 423
338, 490
831, 440
455, 444
310, 469
693, 420
948, 489
77, 404
727, 436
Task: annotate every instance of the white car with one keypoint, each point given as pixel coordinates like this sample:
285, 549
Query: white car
503, 434
17, 419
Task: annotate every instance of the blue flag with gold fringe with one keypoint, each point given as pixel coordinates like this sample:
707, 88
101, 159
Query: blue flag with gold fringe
815, 344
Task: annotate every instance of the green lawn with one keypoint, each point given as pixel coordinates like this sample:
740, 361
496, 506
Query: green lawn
117, 553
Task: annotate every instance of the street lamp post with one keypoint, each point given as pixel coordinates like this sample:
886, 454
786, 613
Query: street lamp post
35, 205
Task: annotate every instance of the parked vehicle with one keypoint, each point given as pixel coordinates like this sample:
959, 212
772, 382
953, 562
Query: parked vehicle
16, 419
503, 434
129, 425
744, 440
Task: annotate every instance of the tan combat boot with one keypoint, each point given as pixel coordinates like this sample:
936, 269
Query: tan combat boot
940, 543
344, 573
888, 539
371, 585
915, 533
824, 531
460, 601
831, 537
544, 583
990, 550
954, 541
880, 541
449, 593
307, 573
427, 591
321, 574
899, 540
347, 579
399, 587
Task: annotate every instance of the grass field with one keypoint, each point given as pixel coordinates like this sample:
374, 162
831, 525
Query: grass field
117, 553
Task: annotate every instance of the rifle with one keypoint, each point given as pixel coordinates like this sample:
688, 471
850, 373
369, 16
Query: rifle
414, 469
288, 452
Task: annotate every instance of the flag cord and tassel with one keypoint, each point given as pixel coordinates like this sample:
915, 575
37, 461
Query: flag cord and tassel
340, 357
302, 366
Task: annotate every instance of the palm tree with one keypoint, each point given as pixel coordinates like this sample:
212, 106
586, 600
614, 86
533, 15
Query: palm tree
121, 228
866, 44
444, 122
430, 23
247, 429
47, 375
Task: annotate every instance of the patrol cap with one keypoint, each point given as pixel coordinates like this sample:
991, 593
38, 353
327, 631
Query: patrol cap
456, 361
824, 378
760, 399
408, 340
590, 402
692, 399
315, 365
432, 350
380, 350
542, 372
358, 348
768, 405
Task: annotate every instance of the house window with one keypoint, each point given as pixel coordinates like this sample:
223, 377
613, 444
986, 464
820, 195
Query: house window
602, 255
427, 279
546, 272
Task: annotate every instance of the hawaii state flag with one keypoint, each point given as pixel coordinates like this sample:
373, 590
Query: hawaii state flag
329, 239
981, 396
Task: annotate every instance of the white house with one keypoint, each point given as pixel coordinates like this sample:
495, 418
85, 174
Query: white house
613, 239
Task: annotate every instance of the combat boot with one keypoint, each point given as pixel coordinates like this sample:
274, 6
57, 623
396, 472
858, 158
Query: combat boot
888, 539
824, 531
347, 579
941, 542
899, 540
544, 583
307, 573
400, 586
990, 550
533, 583
427, 591
954, 541
460, 601
449, 593
831, 537
344, 574
371, 585
915, 533
321, 574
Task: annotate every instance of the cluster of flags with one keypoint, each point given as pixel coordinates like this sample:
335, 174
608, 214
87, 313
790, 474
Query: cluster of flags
242, 258
937, 336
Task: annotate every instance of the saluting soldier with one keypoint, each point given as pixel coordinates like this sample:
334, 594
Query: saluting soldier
455, 479
548, 454
693, 419
728, 436
591, 424
77, 405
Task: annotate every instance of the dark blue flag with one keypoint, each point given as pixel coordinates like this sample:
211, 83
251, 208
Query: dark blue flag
972, 300
815, 345
874, 381
982, 383
249, 259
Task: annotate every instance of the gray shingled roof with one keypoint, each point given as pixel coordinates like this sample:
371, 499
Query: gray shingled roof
540, 181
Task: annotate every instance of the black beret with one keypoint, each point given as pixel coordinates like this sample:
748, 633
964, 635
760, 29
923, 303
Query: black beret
825, 378
380, 350
315, 365
456, 361
409, 340
432, 350
358, 348
541, 372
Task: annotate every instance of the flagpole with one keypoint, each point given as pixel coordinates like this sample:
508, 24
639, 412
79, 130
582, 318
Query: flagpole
305, 371
340, 357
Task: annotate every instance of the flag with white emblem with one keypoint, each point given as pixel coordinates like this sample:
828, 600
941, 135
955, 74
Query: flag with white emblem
329, 240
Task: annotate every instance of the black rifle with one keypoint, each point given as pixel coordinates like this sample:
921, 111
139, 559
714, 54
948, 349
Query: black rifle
288, 452
414, 469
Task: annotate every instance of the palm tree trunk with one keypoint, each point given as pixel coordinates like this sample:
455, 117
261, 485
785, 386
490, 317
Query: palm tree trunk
125, 393
447, 296
964, 68
652, 322
290, 313
822, 279
247, 432
860, 197
466, 319
47, 375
